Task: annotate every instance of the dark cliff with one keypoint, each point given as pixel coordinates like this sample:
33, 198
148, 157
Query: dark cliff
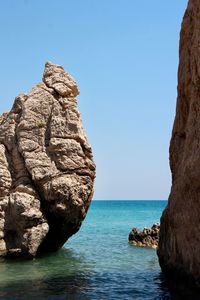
179, 242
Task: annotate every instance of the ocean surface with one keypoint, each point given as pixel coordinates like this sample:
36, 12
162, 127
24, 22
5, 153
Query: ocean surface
96, 263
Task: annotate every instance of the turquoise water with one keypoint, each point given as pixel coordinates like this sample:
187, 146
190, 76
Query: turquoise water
97, 263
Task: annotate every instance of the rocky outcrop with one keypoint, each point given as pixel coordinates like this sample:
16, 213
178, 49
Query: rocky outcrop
46, 168
148, 237
179, 245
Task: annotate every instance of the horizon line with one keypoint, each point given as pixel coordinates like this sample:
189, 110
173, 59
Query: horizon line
129, 200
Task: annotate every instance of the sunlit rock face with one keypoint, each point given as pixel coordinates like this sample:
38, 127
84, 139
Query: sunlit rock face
46, 167
179, 245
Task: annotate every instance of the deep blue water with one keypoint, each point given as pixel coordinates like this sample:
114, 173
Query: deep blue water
96, 263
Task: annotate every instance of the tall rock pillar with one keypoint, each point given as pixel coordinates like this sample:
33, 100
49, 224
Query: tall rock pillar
179, 245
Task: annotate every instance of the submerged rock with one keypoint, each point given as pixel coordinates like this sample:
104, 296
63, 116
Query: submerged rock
148, 237
179, 245
46, 167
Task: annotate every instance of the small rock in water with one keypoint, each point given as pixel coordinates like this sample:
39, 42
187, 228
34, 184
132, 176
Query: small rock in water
148, 237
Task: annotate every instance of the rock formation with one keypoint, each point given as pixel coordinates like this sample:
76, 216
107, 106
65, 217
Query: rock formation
148, 237
46, 168
179, 245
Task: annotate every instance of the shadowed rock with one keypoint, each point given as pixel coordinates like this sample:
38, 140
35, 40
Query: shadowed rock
179, 245
148, 237
46, 167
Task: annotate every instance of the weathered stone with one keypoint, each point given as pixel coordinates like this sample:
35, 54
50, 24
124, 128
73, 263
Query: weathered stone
46, 167
179, 245
148, 237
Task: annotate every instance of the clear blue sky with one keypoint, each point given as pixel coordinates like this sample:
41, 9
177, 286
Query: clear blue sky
124, 56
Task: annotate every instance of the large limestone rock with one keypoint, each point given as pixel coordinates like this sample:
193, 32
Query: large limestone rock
179, 245
46, 168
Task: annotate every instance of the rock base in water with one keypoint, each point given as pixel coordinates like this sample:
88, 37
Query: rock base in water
148, 237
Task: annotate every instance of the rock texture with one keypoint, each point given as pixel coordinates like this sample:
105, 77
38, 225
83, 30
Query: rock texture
46, 168
179, 245
148, 237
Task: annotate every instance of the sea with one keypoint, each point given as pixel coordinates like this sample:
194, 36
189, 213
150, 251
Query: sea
97, 262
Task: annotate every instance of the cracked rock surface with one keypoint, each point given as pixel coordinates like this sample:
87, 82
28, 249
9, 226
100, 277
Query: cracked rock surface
179, 242
46, 168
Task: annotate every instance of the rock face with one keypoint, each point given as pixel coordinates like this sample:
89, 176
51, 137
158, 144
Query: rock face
179, 245
46, 168
148, 237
